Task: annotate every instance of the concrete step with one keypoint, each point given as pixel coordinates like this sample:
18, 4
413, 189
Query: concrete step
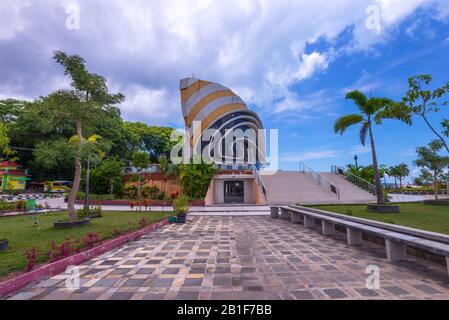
230, 210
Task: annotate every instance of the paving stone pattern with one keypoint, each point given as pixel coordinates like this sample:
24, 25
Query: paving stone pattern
253, 258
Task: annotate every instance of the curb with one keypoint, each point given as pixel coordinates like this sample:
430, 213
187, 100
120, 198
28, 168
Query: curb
15, 284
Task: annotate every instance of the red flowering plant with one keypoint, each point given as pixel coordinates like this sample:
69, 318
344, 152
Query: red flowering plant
90, 240
31, 256
142, 223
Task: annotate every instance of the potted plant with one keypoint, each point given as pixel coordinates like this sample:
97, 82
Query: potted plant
3, 244
181, 206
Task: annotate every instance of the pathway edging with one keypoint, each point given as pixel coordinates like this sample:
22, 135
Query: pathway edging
15, 284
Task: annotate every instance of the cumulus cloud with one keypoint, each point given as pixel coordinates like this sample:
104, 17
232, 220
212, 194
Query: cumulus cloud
258, 48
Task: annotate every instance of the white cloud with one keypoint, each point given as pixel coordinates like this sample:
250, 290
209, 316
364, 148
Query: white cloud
309, 155
153, 106
359, 149
258, 48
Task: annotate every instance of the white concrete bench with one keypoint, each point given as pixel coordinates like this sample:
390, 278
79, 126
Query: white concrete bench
395, 242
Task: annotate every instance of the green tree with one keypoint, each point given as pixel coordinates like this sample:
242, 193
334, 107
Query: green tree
107, 177
195, 179
393, 172
4, 140
369, 114
10, 109
425, 178
141, 160
420, 101
151, 139
402, 172
429, 159
85, 106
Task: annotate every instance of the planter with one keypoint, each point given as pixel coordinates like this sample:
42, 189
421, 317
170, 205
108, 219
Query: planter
382, 208
172, 220
181, 218
3, 244
71, 224
437, 202
274, 212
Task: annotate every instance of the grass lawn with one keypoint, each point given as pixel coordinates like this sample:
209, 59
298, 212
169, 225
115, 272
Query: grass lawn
22, 235
415, 215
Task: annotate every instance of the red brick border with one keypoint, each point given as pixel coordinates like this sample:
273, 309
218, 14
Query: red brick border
15, 284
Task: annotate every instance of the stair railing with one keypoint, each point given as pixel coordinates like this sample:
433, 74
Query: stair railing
320, 180
259, 180
362, 183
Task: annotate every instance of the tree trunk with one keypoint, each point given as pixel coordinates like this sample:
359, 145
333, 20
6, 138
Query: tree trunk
395, 182
379, 193
400, 182
77, 176
435, 184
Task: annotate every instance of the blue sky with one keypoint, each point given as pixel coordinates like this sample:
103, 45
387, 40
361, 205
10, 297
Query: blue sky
381, 72
291, 61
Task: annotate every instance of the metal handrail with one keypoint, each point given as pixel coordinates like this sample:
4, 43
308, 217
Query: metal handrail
320, 180
362, 183
259, 180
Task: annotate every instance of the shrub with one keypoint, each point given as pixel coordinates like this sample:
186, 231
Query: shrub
150, 192
92, 196
161, 195
31, 257
94, 212
63, 250
21, 205
130, 191
181, 204
6, 206
90, 240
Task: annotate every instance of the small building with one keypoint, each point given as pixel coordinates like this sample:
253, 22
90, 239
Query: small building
12, 177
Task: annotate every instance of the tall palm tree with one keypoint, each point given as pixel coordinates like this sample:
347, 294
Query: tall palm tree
369, 114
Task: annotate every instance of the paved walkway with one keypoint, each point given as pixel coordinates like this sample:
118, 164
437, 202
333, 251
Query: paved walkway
244, 258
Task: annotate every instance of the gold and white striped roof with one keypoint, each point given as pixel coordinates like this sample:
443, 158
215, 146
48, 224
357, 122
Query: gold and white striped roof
207, 101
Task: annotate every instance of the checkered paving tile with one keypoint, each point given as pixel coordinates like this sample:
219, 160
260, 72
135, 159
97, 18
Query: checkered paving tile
250, 258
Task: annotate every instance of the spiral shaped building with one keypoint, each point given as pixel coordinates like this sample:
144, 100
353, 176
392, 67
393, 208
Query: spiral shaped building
212, 111
220, 125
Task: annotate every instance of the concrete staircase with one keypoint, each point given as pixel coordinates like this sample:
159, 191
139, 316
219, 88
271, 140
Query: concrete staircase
287, 187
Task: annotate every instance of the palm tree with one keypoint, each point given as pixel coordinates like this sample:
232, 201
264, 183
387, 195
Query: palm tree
403, 171
369, 114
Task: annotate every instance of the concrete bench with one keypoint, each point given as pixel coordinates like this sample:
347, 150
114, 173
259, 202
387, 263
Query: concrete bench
395, 242
274, 211
285, 213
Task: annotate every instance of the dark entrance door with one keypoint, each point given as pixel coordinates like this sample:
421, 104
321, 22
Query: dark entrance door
234, 191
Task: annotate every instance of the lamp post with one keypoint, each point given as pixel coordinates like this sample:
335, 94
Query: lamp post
356, 161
